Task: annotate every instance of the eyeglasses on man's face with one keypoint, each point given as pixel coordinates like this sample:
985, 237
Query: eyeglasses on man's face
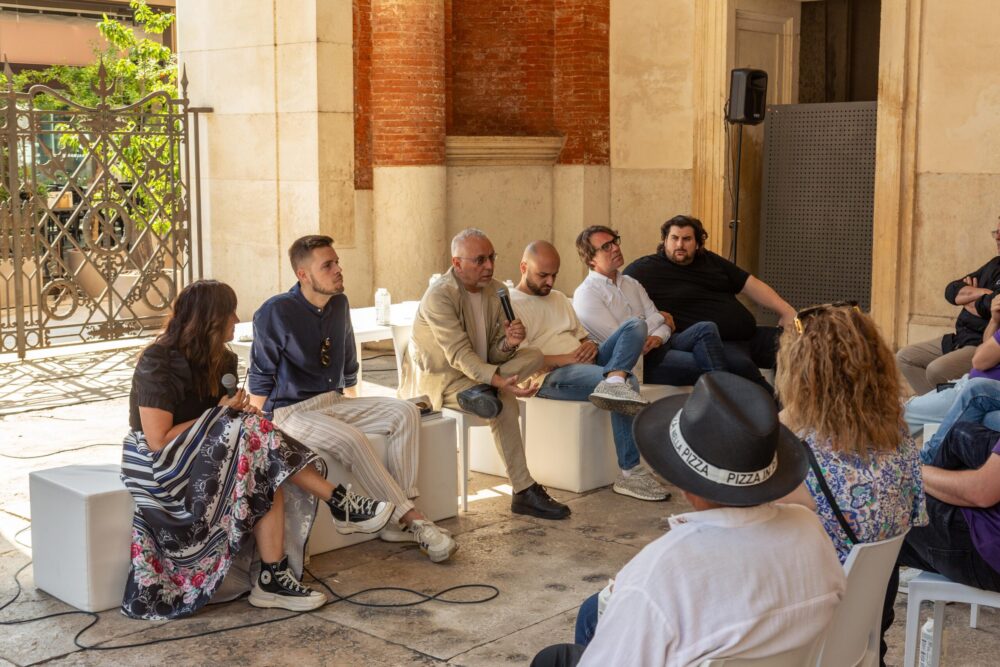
606, 247
995, 233
807, 313
479, 260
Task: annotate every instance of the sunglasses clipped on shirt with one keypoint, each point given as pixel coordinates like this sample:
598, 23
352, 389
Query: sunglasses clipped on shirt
324, 353
806, 314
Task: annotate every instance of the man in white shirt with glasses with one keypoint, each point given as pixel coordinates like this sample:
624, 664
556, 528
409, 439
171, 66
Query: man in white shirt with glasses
607, 298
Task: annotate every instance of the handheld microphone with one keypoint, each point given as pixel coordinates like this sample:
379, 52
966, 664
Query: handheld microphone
229, 382
508, 311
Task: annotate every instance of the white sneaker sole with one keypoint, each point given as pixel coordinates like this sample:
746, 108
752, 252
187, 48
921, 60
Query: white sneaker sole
441, 556
617, 404
265, 600
388, 534
372, 525
625, 491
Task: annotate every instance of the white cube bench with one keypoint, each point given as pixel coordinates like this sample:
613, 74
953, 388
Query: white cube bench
81, 519
81, 531
569, 444
437, 479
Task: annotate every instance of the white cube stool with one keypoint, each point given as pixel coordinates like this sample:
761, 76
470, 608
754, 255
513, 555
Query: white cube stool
437, 479
569, 443
81, 531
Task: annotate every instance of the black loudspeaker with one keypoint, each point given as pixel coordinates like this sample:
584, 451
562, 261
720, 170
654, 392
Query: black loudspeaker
747, 96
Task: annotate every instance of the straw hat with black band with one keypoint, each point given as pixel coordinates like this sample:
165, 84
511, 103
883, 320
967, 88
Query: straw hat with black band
722, 442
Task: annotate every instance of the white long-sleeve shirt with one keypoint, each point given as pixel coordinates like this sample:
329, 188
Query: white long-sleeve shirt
603, 304
746, 581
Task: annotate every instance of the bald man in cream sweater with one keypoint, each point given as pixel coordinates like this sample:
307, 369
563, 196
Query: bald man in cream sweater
577, 368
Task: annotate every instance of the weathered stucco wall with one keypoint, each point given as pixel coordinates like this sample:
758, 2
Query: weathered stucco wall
652, 117
957, 155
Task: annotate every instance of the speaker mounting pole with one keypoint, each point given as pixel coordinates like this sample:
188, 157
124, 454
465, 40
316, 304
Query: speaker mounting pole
746, 106
734, 224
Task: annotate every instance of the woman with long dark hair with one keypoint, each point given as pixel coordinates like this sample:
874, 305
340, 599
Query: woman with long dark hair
208, 474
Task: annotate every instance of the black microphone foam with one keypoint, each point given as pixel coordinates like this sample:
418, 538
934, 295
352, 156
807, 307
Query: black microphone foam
505, 303
229, 382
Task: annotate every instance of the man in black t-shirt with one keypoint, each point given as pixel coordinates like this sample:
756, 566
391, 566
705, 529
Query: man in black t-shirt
696, 285
930, 363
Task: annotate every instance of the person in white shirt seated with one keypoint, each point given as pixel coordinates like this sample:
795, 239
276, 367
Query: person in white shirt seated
576, 368
741, 575
607, 298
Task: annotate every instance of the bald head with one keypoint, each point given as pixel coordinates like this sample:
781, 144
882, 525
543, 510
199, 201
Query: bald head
539, 268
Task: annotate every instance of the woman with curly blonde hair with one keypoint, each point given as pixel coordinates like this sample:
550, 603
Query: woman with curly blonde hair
841, 392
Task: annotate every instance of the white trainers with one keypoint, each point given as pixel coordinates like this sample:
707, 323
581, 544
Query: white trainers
434, 541
617, 397
640, 484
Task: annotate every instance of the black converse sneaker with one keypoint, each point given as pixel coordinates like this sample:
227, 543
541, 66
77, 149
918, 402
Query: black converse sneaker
278, 587
357, 514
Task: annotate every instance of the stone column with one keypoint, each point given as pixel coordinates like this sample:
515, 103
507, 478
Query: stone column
408, 148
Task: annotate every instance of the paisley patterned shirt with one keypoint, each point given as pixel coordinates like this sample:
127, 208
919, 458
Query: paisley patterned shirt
880, 495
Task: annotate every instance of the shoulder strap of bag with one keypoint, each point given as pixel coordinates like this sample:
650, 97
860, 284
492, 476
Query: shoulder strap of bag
814, 464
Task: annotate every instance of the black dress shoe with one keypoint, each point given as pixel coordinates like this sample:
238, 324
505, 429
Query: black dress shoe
481, 400
536, 501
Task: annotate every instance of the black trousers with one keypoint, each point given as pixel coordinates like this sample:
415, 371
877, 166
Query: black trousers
944, 545
558, 655
745, 357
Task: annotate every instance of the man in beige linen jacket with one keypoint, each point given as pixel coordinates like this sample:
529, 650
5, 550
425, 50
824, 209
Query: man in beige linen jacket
461, 341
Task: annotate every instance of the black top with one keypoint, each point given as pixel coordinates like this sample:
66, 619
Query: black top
703, 291
968, 327
163, 380
288, 349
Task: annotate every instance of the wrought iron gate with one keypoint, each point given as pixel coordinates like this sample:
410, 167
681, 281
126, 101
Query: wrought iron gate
96, 233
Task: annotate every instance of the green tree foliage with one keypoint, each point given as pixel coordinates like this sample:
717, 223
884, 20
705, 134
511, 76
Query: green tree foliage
139, 150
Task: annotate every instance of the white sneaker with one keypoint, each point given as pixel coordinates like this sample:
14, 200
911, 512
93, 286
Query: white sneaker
906, 575
640, 484
617, 397
393, 532
436, 542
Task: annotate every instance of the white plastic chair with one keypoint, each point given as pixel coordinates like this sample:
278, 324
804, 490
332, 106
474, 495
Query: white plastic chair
939, 590
464, 421
854, 633
796, 657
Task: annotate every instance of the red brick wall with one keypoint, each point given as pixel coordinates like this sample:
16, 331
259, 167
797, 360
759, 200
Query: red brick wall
510, 67
581, 106
362, 95
501, 61
407, 82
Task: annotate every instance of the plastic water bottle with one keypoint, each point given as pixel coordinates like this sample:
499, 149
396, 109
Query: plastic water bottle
509, 283
383, 307
433, 279
926, 641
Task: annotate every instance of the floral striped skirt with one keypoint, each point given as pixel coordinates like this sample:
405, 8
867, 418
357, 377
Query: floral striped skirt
197, 501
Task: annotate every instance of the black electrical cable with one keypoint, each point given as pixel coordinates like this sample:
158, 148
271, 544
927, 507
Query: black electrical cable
422, 598
62, 451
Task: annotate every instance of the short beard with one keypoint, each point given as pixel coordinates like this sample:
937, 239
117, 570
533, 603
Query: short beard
670, 256
320, 290
536, 289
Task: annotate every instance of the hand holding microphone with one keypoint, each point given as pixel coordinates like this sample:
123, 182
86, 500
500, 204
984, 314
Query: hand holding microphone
513, 329
235, 399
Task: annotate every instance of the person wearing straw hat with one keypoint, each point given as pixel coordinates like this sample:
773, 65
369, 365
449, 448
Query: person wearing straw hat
741, 575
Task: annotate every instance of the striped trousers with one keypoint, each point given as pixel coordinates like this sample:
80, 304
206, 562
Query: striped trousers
336, 425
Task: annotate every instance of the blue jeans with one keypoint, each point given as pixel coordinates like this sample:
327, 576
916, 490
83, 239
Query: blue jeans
686, 355
575, 382
586, 621
978, 401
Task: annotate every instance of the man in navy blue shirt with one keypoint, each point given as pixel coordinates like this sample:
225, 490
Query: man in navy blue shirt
304, 369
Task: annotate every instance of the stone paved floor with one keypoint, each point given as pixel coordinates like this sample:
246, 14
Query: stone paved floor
542, 569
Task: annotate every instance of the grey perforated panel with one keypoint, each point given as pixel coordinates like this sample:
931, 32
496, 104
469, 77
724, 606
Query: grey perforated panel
817, 201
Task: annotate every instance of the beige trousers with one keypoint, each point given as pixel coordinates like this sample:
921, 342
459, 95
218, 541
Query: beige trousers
924, 367
506, 427
335, 424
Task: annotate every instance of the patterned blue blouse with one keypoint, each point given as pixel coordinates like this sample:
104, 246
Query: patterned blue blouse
880, 495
